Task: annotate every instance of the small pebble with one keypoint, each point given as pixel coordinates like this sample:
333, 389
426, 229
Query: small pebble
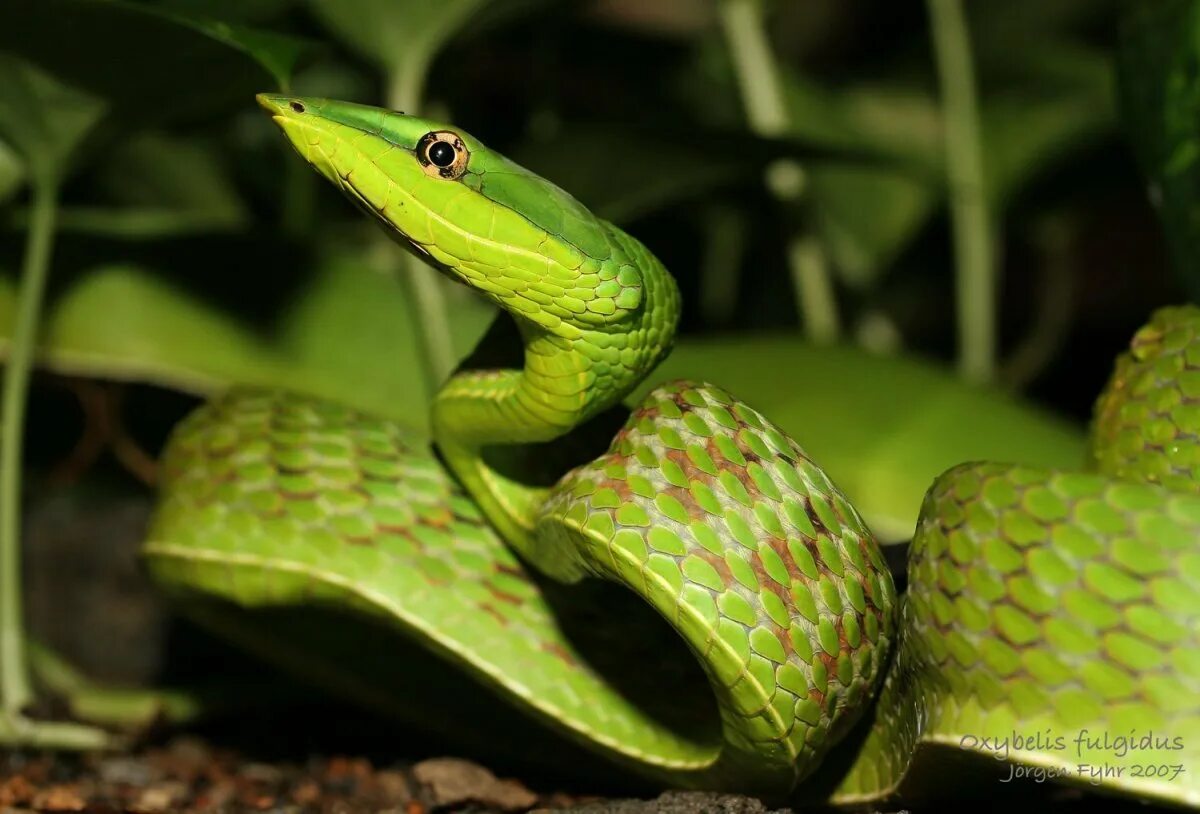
161, 796
132, 771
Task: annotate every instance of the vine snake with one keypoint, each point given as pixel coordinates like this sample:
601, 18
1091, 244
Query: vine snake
1052, 618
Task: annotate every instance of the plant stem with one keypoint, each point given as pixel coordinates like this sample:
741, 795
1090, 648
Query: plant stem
810, 279
754, 66
15, 690
432, 314
973, 243
766, 110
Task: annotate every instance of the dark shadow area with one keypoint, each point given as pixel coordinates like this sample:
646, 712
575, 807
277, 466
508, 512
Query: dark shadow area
407, 703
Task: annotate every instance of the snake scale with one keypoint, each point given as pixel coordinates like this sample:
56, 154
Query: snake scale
1051, 621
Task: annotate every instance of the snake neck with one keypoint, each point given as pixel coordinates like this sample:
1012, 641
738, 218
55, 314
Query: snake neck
486, 421
595, 309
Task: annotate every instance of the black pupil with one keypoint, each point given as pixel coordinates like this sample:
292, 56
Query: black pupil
441, 154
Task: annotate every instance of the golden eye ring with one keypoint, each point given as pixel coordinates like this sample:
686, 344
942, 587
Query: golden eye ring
442, 154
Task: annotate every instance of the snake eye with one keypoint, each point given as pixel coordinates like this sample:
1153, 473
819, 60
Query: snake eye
442, 154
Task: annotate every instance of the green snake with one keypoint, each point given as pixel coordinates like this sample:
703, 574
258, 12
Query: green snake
698, 603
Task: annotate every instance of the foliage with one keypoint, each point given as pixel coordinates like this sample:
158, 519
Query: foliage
1160, 95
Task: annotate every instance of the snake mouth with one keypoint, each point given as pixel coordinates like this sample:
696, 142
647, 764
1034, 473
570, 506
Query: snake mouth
412, 247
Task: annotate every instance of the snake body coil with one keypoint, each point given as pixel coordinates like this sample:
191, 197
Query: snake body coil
1051, 612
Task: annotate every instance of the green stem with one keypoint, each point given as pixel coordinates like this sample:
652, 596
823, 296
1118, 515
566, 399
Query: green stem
766, 110
15, 690
974, 255
754, 66
432, 313
405, 83
810, 279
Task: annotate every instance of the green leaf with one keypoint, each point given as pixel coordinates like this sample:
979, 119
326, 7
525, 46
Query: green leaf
160, 186
43, 119
580, 161
276, 53
402, 37
134, 223
172, 65
868, 212
865, 212
867, 215
244, 11
12, 172
1159, 80
128, 323
1024, 133
398, 35
154, 171
1062, 100
1003, 33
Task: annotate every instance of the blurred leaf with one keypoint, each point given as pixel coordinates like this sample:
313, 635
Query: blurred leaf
883, 428
12, 173
398, 35
132, 223
247, 11
580, 161
889, 119
1062, 100
171, 66
41, 118
498, 12
154, 168
162, 186
123, 322
176, 175
1025, 133
1002, 33
1159, 79
866, 216
276, 53
867, 213
403, 36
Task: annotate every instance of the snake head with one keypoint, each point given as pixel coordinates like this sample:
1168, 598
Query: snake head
524, 243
